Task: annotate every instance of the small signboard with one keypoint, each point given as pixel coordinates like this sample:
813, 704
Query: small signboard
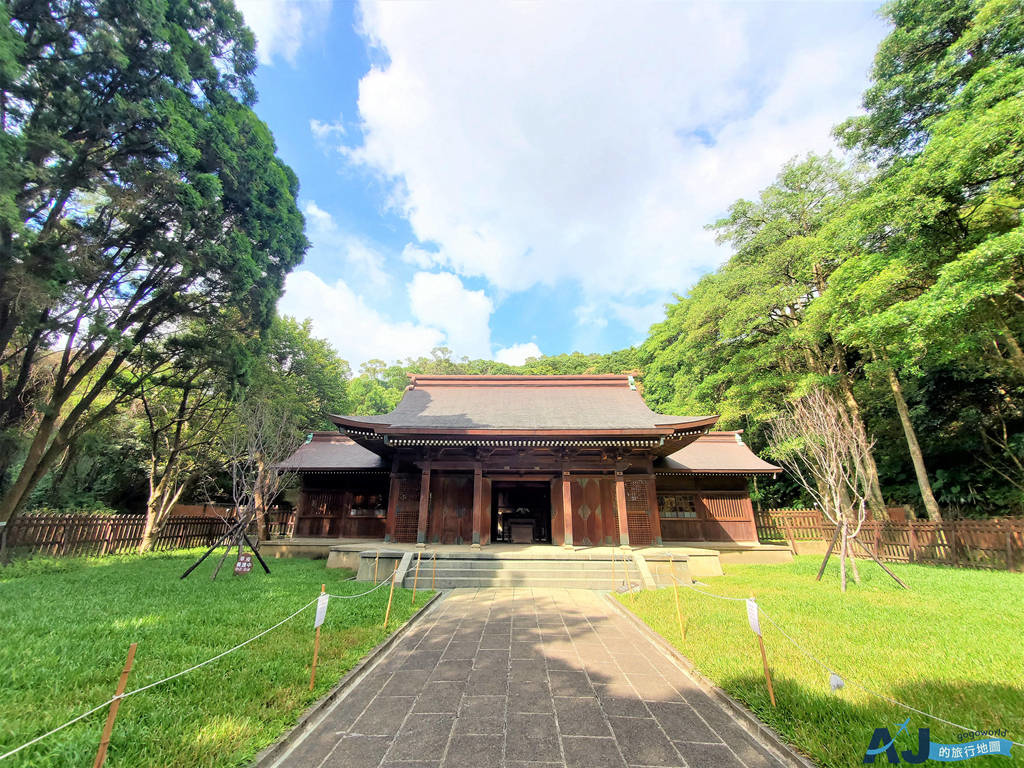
244, 563
752, 616
321, 610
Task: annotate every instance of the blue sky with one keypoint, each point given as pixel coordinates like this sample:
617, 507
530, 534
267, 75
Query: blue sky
515, 178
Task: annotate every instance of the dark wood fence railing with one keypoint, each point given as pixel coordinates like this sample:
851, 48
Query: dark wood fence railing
103, 534
991, 544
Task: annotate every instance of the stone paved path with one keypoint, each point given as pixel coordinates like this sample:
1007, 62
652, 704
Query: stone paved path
527, 677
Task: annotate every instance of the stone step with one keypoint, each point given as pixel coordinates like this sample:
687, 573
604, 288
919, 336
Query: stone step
520, 565
521, 580
471, 573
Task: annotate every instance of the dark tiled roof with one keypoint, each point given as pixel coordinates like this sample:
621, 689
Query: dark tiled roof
716, 452
330, 451
529, 403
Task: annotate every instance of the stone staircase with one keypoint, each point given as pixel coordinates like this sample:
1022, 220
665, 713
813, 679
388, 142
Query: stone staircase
570, 571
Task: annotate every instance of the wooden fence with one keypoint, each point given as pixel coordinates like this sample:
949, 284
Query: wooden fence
85, 534
990, 544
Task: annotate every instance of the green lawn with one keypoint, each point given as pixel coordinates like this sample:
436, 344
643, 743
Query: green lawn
953, 645
66, 627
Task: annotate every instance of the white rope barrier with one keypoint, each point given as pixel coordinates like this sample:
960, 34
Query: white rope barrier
201, 664
361, 594
712, 594
832, 670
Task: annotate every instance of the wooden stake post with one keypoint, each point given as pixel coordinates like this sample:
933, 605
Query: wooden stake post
629, 579
416, 578
764, 656
375, 561
391, 594
108, 727
316, 648
675, 590
433, 571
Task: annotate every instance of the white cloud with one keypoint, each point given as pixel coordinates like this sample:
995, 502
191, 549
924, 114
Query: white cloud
354, 328
282, 26
364, 263
538, 142
419, 257
441, 301
322, 131
517, 354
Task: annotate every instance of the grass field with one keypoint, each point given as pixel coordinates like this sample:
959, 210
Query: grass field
953, 645
66, 626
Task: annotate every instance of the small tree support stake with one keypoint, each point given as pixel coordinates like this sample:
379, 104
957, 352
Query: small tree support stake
108, 727
391, 594
316, 648
764, 662
675, 590
416, 578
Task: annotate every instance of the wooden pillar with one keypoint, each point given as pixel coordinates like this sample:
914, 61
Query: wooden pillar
478, 505
392, 518
620, 503
655, 513
421, 525
567, 508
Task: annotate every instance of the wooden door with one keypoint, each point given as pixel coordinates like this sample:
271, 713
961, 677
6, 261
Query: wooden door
450, 519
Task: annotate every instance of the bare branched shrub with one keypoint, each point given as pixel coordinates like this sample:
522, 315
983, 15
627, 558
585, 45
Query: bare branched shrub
829, 454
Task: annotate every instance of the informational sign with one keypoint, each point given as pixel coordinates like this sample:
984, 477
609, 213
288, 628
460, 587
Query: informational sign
755, 623
321, 610
244, 563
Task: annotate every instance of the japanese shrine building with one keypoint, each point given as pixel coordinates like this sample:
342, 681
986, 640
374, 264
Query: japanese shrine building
573, 460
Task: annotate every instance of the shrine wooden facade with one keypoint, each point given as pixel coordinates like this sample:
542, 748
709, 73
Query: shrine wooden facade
568, 460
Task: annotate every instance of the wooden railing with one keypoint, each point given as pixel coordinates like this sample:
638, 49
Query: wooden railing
65, 535
990, 544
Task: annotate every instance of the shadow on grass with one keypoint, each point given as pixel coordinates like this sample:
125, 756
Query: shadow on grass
835, 731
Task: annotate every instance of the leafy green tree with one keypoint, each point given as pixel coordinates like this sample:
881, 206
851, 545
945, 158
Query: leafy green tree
302, 373
933, 256
139, 190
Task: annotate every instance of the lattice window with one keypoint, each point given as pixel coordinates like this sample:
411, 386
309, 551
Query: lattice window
407, 510
409, 489
639, 529
636, 496
677, 505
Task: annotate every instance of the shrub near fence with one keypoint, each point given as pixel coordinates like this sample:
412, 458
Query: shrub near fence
990, 544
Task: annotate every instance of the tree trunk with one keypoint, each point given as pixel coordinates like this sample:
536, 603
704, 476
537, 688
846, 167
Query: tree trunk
930, 505
260, 497
843, 547
151, 532
18, 492
162, 499
876, 502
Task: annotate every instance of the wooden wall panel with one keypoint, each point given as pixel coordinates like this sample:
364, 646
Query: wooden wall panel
728, 516
609, 512
488, 511
723, 512
326, 513
557, 527
450, 519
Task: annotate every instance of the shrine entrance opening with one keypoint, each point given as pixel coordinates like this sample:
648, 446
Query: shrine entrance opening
521, 512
